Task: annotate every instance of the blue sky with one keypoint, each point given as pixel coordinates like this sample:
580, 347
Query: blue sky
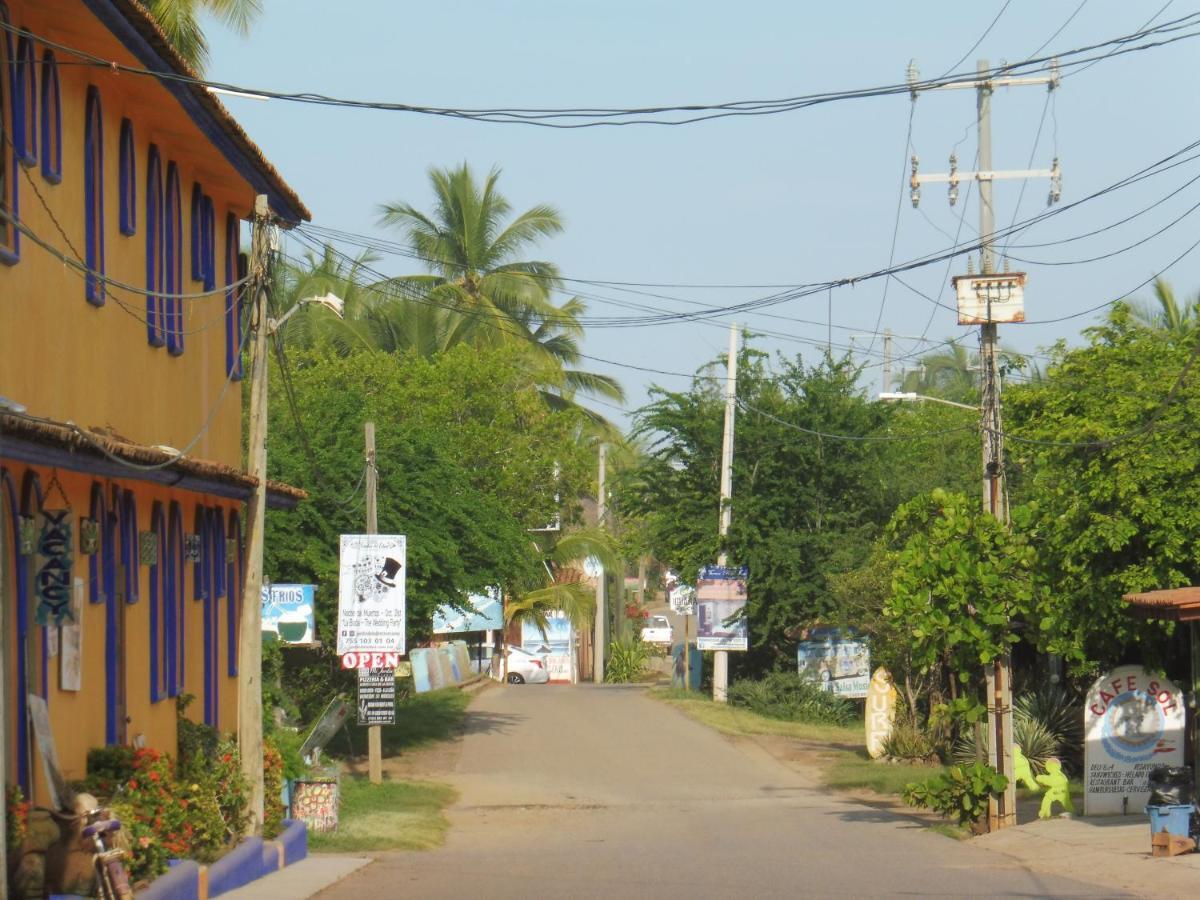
799, 197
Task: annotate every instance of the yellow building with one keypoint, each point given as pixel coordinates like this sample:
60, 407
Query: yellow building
121, 339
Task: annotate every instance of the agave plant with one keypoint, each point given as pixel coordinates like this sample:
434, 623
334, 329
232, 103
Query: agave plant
1045, 724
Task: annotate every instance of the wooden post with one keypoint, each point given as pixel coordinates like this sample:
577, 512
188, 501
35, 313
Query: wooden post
249, 685
374, 734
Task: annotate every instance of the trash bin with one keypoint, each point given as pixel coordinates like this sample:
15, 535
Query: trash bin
1173, 818
1171, 785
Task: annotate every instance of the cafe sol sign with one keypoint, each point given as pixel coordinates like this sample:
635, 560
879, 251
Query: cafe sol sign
1133, 722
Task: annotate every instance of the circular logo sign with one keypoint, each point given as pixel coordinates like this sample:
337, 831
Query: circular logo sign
1132, 726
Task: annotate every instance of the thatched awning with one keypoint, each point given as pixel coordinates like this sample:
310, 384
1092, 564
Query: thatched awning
1173, 604
44, 442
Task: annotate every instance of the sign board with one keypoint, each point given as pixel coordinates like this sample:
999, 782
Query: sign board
70, 673
287, 613
720, 608
990, 298
376, 696
327, 726
837, 661
52, 578
315, 803
880, 712
479, 612
1133, 722
39, 717
371, 593
683, 600
557, 645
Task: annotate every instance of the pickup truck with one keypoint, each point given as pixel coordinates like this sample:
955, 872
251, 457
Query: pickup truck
657, 630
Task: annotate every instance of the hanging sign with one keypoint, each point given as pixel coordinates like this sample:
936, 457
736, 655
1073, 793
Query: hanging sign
376, 696
880, 712
1133, 723
52, 581
371, 593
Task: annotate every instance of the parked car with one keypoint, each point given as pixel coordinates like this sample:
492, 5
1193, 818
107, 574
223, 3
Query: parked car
657, 630
525, 667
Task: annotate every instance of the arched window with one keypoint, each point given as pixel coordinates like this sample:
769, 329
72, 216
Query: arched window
93, 193
215, 557
197, 231
102, 575
17, 673
10, 238
208, 244
130, 558
128, 180
178, 609
237, 568
173, 263
159, 608
51, 120
26, 92
233, 300
155, 332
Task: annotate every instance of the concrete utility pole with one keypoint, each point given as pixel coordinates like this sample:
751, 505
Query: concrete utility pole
374, 732
1002, 810
249, 691
887, 359
600, 633
721, 657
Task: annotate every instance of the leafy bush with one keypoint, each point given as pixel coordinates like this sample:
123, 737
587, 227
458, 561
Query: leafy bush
626, 662
1045, 725
1061, 715
273, 808
909, 741
960, 792
16, 817
788, 696
107, 769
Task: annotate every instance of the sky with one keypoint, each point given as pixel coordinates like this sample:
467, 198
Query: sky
800, 197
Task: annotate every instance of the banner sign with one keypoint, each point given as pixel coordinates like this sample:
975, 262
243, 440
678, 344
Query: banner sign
287, 611
720, 607
477, 613
371, 593
556, 646
837, 661
52, 581
376, 696
1133, 722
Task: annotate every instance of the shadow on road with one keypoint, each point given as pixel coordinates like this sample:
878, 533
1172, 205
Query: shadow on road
478, 721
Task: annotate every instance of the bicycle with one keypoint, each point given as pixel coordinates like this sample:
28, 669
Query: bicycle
112, 881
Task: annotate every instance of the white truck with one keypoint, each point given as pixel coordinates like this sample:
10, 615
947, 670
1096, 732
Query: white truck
657, 630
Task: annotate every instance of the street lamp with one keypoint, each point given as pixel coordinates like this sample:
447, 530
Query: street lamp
910, 396
330, 301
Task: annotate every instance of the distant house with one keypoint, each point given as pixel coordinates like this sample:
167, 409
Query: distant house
144, 183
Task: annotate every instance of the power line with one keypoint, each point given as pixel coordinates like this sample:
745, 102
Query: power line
986, 32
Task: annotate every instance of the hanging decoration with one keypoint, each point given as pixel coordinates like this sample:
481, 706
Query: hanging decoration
191, 547
89, 536
27, 532
148, 548
55, 552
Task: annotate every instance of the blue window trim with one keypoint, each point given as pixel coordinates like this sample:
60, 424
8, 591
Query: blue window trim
51, 116
25, 89
200, 567
208, 246
173, 262
158, 632
128, 180
8, 487
178, 608
214, 555
154, 249
236, 571
113, 635
10, 253
32, 503
233, 300
197, 226
93, 193
130, 557
100, 564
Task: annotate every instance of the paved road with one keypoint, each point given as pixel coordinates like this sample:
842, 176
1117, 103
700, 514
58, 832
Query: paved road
602, 792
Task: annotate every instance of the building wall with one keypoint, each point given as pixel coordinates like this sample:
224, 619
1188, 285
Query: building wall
66, 359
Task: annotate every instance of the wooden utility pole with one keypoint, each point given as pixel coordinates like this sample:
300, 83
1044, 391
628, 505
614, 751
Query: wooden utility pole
374, 733
721, 657
249, 689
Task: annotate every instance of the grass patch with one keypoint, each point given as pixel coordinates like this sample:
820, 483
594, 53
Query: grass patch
421, 720
395, 815
857, 771
950, 830
743, 723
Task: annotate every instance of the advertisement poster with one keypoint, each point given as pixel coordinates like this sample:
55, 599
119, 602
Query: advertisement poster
376, 696
838, 660
557, 645
479, 612
287, 612
371, 593
720, 603
1132, 723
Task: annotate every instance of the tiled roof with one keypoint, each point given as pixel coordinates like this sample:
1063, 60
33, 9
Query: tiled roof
1177, 604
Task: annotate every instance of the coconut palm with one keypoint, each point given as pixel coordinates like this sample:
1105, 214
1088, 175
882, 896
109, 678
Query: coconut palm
952, 374
565, 590
180, 22
1166, 314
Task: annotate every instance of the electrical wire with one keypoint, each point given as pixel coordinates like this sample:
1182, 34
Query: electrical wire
981, 39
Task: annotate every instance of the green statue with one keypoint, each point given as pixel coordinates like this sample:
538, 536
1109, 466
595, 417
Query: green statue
1022, 773
1058, 789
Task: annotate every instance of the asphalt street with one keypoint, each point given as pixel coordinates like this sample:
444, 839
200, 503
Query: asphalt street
603, 792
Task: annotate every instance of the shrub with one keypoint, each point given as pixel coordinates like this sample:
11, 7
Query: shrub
273, 809
107, 769
1036, 741
959, 792
909, 742
16, 817
1061, 715
788, 696
626, 662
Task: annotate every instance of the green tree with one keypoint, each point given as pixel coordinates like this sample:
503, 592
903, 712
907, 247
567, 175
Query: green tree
1166, 313
180, 22
1109, 471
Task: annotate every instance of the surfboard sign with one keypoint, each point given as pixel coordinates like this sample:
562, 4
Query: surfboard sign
880, 711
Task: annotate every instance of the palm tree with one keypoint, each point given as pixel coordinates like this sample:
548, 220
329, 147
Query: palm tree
180, 22
952, 374
564, 589
1169, 316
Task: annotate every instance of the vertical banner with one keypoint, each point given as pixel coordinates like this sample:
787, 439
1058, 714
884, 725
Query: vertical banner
720, 608
371, 593
376, 696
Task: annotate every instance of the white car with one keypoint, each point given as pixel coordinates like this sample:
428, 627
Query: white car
657, 630
525, 667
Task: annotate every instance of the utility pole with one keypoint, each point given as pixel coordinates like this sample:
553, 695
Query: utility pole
887, 360
721, 657
600, 632
1002, 810
374, 732
249, 689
